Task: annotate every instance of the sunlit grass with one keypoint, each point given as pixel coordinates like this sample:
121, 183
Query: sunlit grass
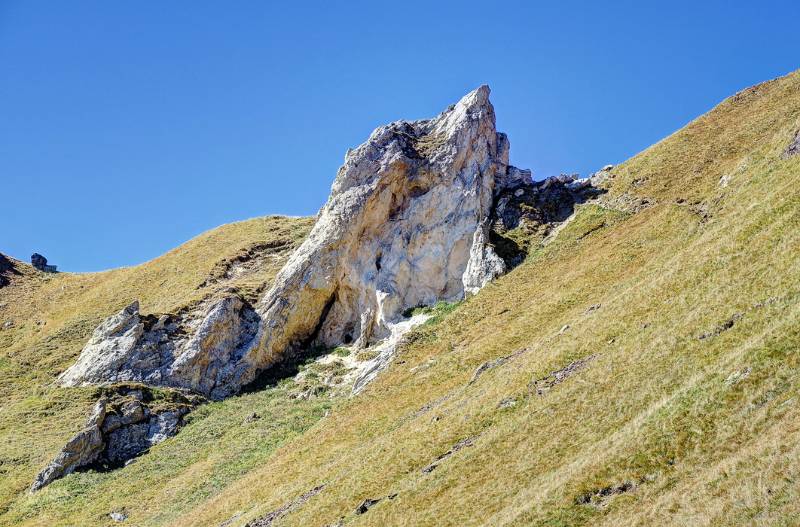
660, 427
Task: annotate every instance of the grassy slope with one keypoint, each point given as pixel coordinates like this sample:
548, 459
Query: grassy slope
54, 315
677, 429
706, 431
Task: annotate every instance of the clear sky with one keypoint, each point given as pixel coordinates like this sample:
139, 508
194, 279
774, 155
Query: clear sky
127, 128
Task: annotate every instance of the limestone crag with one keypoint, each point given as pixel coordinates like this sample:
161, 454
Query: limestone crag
407, 224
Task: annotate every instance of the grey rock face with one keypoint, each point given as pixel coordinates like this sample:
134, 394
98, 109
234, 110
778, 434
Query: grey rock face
117, 430
197, 351
81, 450
406, 225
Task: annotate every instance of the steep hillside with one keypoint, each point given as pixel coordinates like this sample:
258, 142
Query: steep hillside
45, 319
640, 367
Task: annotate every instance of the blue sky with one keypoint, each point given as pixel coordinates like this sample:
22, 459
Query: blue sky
127, 128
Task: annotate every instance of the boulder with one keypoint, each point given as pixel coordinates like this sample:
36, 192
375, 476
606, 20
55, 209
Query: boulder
40, 262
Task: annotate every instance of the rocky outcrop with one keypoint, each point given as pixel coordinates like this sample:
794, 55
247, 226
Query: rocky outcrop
794, 147
527, 212
197, 350
119, 429
413, 218
40, 262
407, 224
81, 450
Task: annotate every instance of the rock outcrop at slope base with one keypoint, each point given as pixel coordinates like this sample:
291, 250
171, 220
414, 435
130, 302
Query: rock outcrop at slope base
406, 225
118, 429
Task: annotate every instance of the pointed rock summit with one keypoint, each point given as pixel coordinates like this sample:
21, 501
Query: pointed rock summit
406, 225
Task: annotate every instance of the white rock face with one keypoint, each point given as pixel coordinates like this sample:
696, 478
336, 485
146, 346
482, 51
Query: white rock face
406, 225
386, 350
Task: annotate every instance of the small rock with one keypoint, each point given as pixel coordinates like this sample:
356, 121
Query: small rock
365, 505
508, 402
794, 147
8, 324
118, 516
252, 417
519, 192
563, 329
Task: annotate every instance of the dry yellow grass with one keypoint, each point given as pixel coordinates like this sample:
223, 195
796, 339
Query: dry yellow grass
658, 426
696, 431
53, 316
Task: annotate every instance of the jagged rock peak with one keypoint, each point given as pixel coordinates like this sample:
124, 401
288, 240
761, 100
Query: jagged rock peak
405, 225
